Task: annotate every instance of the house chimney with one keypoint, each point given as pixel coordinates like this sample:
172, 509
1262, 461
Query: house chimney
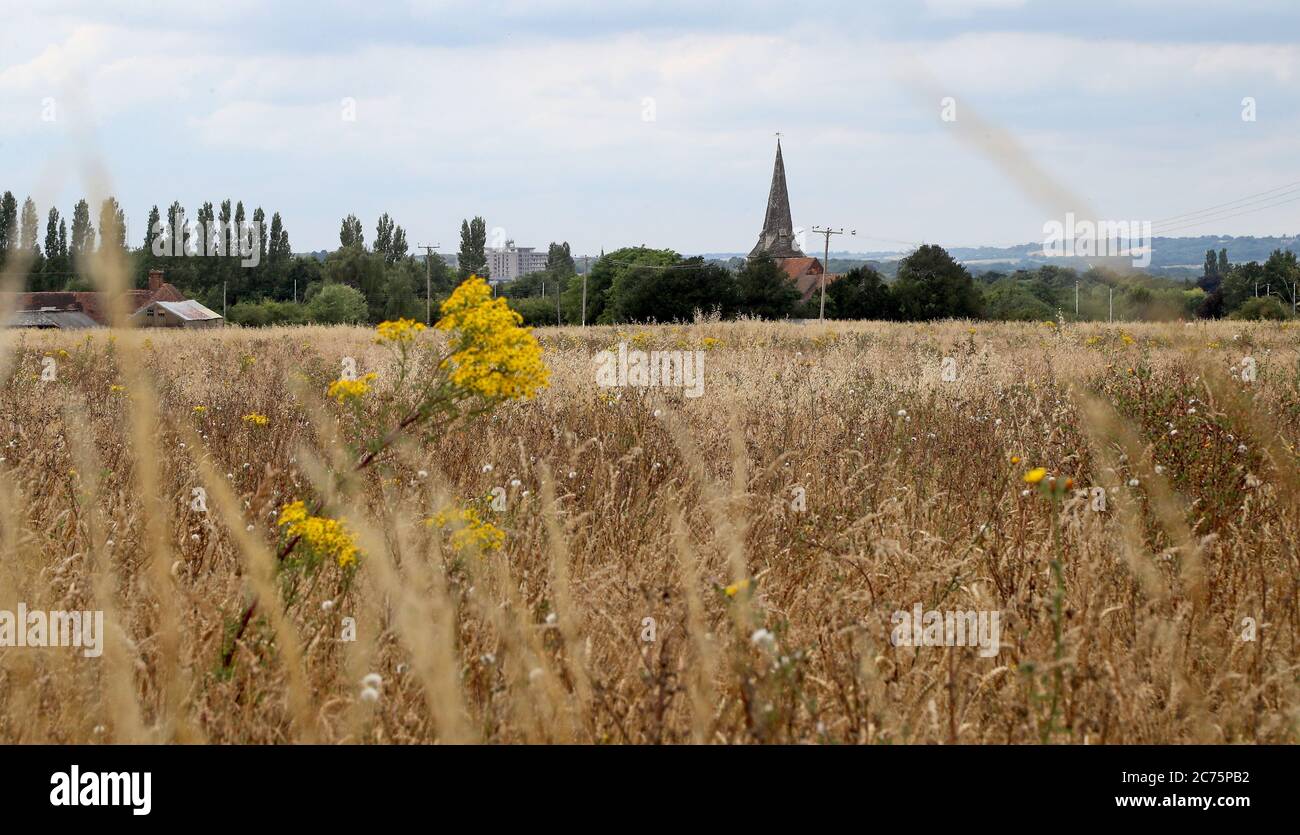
155, 280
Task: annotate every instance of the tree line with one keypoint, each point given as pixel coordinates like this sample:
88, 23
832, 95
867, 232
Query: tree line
361, 282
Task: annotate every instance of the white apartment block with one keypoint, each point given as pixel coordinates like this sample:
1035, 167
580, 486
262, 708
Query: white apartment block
510, 262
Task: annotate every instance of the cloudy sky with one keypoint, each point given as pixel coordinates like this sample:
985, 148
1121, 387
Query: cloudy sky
609, 123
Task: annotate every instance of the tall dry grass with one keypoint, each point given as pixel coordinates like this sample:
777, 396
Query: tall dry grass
643, 504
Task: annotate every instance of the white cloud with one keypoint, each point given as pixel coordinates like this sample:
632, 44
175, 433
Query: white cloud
522, 123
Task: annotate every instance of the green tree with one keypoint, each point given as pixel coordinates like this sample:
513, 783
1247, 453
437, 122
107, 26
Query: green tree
861, 293
398, 250
399, 298
52, 233
472, 258
8, 224
1210, 277
1013, 299
535, 311
601, 279
390, 240
151, 231
1239, 285
672, 293
338, 304
931, 285
764, 290
177, 228
83, 233
1262, 307
350, 234
354, 267
263, 245
112, 225
384, 234
559, 259
30, 227
302, 273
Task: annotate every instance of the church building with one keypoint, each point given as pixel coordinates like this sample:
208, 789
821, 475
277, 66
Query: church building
777, 238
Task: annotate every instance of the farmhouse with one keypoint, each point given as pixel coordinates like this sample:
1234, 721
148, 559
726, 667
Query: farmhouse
71, 309
186, 314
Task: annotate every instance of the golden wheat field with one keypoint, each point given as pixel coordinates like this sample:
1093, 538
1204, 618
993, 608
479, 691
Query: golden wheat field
673, 569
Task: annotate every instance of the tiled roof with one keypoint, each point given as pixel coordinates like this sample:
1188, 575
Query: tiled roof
187, 309
806, 273
66, 319
93, 304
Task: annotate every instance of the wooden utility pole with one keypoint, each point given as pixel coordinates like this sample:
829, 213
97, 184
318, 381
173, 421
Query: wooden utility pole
826, 257
586, 268
428, 280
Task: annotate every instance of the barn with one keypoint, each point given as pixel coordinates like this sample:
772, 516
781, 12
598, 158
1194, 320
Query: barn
183, 314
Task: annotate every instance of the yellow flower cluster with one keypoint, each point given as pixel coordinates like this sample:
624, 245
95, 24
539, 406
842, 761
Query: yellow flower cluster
256, 419
345, 390
403, 330
116, 389
492, 356
199, 410
325, 536
736, 588
471, 530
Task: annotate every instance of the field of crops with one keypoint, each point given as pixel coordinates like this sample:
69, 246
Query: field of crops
634, 565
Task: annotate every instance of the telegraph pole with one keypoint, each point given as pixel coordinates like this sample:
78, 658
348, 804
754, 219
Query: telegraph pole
586, 268
428, 280
1076, 299
826, 257
1112, 304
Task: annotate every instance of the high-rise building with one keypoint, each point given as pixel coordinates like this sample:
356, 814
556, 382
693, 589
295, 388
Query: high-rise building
510, 261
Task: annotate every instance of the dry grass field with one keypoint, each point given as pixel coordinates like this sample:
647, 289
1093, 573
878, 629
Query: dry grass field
1168, 616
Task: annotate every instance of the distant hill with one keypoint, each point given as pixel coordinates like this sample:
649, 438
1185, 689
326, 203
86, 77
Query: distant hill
1172, 257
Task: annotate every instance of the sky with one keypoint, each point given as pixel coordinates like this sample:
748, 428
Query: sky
607, 123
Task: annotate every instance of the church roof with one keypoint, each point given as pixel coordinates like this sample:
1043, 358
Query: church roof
777, 237
806, 273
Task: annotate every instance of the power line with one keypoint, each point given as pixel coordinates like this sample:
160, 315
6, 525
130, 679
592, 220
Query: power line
1250, 198
1199, 222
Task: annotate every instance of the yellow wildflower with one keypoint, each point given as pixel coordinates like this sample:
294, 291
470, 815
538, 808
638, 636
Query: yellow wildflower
319, 534
403, 330
1035, 475
1015, 459
492, 356
735, 588
344, 390
256, 419
470, 530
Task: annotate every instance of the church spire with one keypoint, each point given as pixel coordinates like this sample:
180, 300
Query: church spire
777, 237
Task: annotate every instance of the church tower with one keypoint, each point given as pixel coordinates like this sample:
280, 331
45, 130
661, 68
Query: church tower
777, 237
